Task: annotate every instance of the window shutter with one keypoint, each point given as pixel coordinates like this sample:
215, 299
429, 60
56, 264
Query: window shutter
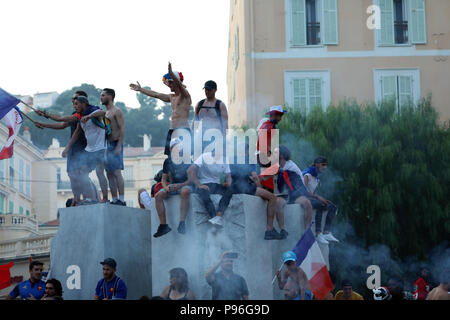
315, 93
389, 88
417, 21
300, 96
330, 22
405, 90
298, 18
386, 34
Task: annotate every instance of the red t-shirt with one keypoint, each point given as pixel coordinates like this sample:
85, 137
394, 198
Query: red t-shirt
421, 289
268, 125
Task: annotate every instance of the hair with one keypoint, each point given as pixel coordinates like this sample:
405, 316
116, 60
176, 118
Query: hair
35, 263
57, 285
285, 153
144, 298
181, 273
110, 92
346, 283
81, 93
320, 160
69, 202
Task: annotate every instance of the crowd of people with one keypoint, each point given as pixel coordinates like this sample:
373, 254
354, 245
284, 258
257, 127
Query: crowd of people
96, 143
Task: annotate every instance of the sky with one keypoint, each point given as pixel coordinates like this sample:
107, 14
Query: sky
54, 45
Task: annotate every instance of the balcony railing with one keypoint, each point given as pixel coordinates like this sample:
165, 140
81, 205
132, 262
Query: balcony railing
25, 247
18, 220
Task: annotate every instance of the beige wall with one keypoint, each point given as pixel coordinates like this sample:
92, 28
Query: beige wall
44, 190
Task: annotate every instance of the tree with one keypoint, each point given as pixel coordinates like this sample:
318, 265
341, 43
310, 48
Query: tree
391, 176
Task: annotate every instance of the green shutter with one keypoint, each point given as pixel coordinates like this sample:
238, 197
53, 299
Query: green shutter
417, 22
299, 94
315, 93
20, 210
11, 207
405, 90
330, 22
298, 17
389, 88
386, 34
28, 212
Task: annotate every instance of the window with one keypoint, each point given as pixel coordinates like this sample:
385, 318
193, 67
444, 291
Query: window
27, 212
311, 22
11, 171
403, 86
402, 22
128, 177
2, 203
20, 210
21, 175
307, 89
11, 207
28, 181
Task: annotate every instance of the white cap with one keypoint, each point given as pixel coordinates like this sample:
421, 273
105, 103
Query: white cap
276, 109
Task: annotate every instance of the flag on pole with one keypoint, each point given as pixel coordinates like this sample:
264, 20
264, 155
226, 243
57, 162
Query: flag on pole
5, 275
310, 259
12, 118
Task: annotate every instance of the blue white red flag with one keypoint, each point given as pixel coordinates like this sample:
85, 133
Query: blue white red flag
311, 261
12, 118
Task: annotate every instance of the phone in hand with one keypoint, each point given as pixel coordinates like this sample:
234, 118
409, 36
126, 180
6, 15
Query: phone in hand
231, 255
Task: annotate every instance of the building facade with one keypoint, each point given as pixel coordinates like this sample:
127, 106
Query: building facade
45, 99
307, 53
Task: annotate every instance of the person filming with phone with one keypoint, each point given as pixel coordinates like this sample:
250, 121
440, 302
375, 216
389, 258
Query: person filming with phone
225, 284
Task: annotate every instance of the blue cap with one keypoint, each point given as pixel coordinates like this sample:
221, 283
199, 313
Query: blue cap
289, 256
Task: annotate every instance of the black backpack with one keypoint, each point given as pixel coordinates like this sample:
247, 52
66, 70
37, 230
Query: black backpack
217, 107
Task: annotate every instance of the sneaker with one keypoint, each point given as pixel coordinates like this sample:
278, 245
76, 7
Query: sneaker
283, 234
272, 235
329, 237
320, 238
182, 227
105, 201
162, 230
119, 202
217, 220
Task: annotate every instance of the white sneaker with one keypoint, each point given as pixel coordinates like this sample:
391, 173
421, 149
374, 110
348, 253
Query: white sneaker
330, 237
321, 239
217, 220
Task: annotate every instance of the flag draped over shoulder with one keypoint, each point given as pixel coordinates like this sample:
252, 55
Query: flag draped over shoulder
12, 118
5, 275
311, 261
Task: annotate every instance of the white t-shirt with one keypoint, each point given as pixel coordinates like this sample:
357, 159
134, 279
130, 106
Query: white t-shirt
313, 182
291, 166
95, 136
209, 171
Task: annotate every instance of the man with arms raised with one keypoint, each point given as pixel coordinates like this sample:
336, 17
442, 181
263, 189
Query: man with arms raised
114, 152
180, 101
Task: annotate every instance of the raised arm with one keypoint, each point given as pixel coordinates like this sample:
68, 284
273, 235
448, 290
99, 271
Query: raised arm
178, 83
161, 96
56, 117
56, 126
210, 273
96, 114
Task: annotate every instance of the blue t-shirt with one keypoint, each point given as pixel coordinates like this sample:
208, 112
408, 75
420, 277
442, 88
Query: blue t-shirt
24, 289
119, 290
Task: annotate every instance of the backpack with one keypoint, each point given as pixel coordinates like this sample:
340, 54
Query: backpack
218, 111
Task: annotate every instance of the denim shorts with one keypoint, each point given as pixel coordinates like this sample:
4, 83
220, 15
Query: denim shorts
113, 161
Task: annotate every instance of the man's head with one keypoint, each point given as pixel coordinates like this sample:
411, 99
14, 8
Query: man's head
107, 96
289, 259
109, 268
347, 289
168, 81
76, 94
36, 268
321, 164
284, 154
210, 89
81, 104
424, 273
276, 113
53, 288
176, 149
227, 265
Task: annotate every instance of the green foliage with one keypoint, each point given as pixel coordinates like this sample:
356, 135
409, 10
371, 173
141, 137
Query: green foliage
388, 170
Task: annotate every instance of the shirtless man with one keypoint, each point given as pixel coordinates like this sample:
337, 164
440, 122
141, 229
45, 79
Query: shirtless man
114, 152
295, 274
441, 292
180, 101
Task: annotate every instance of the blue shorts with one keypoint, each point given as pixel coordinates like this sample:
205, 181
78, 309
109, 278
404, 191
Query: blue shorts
75, 160
113, 161
92, 159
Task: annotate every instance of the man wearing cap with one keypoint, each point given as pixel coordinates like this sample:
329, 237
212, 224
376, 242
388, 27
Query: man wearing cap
320, 204
294, 274
94, 153
180, 101
263, 147
174, 181
210, 113
111, 286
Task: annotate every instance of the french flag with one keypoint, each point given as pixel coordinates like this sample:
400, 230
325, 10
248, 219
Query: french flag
311, 261
12, 118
